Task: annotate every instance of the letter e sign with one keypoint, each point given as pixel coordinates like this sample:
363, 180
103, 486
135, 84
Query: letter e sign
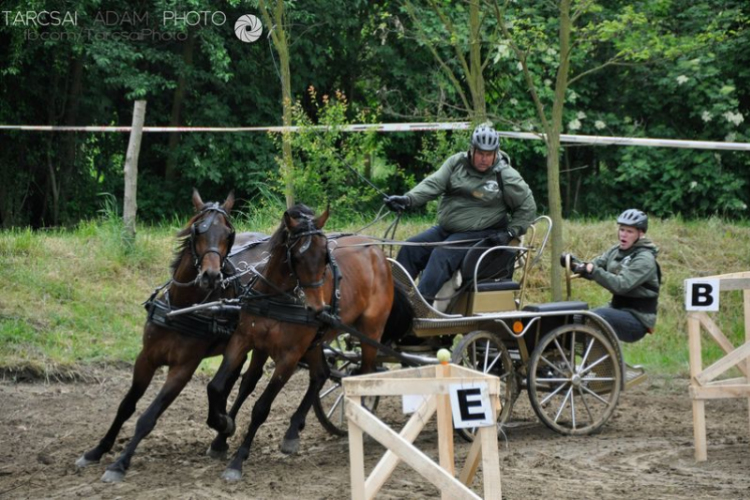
702, 294
471, 405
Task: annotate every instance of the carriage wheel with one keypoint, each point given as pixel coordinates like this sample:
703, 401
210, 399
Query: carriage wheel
485, 352
575, 378
343, 356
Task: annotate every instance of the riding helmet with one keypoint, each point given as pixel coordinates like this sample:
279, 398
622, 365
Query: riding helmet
634, 218
485, 138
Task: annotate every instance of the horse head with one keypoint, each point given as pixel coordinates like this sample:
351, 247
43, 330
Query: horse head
306, 247
211, 236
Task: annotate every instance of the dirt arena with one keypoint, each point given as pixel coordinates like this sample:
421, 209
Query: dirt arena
645, 450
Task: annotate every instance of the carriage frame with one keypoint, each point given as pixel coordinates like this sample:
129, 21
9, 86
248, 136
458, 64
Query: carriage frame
566, 357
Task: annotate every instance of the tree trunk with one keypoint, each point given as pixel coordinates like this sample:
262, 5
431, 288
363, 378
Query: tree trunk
278, 35
476, 76
553, 152
170, 172
131, 172
67, 165
286, 139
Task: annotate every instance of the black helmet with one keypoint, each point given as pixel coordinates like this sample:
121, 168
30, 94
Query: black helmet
485, 138
635, 218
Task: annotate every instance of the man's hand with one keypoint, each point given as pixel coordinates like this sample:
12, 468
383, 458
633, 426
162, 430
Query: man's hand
576, 265
579, 268
501, 239
569, 258
582, 268
397, 203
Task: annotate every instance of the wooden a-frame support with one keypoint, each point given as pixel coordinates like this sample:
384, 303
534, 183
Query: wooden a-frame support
703, 383
435, 381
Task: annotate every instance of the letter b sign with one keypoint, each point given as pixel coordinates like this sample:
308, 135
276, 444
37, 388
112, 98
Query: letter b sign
702, 295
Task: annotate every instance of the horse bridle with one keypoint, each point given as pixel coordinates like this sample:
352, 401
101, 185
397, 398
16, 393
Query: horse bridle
201, 226
306, 234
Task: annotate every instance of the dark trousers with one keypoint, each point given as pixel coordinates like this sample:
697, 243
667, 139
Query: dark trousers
437, 263
626, 326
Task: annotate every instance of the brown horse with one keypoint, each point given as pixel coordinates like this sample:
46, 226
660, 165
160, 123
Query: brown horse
278, 318
197, 273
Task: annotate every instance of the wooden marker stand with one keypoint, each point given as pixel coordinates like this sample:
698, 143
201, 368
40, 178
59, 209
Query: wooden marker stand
703, 385
435, 381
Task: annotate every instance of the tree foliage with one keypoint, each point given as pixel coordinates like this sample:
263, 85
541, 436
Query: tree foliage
662, 68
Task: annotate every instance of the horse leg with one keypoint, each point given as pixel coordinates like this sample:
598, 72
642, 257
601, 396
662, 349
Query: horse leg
250, 380
177, 378
219, 387
262, 408
368, 326
319, 373
143, 372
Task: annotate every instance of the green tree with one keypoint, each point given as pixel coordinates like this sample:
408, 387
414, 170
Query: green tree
585, 32
466, 33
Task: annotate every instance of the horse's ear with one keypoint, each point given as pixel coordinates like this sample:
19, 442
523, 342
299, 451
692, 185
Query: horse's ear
290, 222
197, 202
229, 202
322, 218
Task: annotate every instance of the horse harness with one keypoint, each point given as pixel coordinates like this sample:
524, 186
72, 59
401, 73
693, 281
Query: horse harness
282, 306
289, 307
196, 325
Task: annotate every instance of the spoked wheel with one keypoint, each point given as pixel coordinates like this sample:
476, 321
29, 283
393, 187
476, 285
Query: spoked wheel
344, 357
575, 377
485, 352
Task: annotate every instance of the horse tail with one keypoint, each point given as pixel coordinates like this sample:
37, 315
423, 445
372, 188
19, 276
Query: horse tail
401, 318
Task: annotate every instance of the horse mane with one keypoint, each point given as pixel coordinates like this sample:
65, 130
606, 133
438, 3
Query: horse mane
183, 241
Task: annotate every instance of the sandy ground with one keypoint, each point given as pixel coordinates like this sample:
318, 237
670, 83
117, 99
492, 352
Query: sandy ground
644, 451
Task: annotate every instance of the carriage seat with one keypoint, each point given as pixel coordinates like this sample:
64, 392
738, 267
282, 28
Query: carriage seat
571, 305
495, 273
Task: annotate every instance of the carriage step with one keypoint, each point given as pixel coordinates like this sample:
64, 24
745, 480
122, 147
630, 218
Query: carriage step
634, 375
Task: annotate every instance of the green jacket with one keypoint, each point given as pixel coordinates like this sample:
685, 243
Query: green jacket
630, 273
472, 200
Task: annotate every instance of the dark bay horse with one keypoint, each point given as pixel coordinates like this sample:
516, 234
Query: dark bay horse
299, 276
197, 272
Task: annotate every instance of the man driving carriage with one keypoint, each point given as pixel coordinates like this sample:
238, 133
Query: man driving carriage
483, 197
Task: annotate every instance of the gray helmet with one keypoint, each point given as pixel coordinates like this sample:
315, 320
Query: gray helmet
634, 218
485, 138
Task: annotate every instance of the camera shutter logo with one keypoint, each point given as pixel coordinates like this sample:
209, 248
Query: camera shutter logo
248, 28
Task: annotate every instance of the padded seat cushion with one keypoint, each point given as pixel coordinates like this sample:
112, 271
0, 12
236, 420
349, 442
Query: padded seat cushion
496, 286
573, 305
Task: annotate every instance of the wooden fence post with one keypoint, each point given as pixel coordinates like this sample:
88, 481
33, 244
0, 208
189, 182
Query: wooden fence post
131, 172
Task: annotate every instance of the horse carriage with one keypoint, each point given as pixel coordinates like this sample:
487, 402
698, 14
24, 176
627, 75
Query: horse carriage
338, 306
567, 358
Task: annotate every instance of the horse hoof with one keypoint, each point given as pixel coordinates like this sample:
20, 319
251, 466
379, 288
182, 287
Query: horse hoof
232, 475
289, 446
217, 454
112, 476
85, 462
